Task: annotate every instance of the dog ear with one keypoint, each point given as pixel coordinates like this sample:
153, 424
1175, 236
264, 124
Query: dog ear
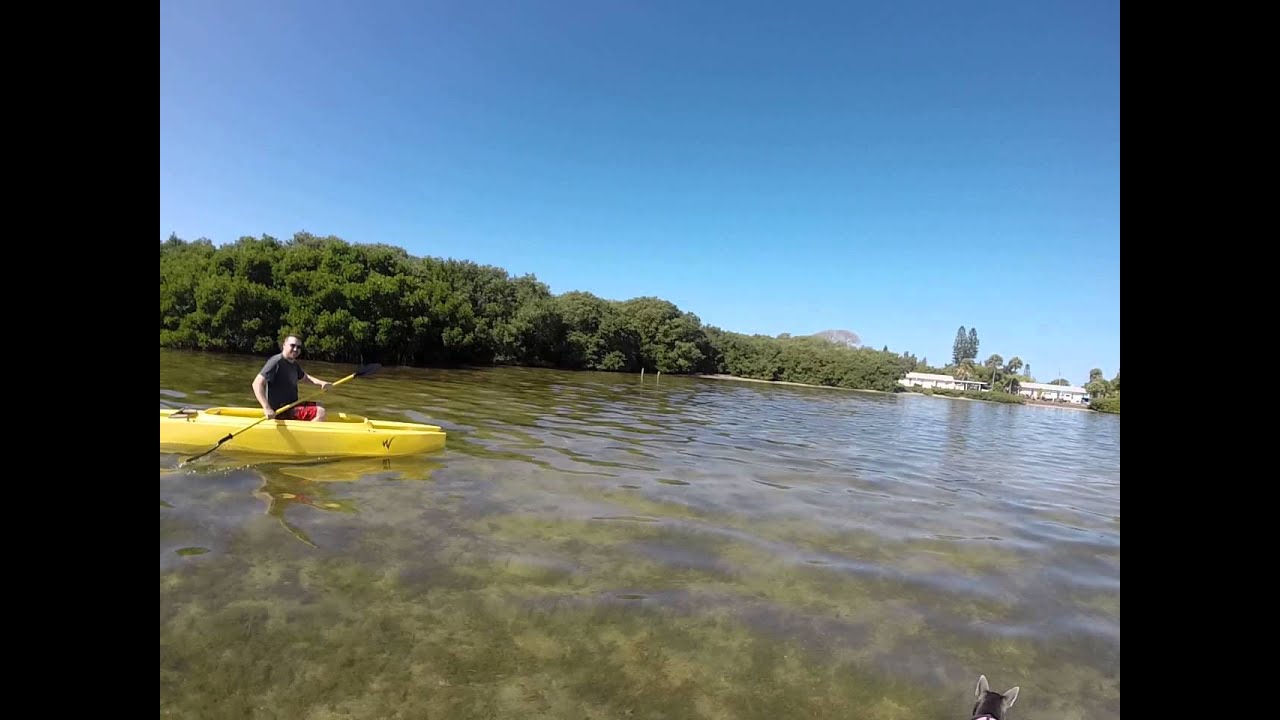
983, 686
1010, 695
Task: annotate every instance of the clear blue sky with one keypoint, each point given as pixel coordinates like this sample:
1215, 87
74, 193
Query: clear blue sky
894, 168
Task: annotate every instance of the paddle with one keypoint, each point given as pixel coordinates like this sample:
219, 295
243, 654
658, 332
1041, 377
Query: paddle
363, 371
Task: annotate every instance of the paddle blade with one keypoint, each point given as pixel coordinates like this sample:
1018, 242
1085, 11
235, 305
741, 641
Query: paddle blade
193, 458
369, 369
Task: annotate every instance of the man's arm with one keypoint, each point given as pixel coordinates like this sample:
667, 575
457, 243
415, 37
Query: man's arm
260, 392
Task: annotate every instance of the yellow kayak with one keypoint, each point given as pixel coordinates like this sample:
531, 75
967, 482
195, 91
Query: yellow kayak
341, 435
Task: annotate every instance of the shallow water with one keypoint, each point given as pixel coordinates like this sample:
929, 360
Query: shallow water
589, 545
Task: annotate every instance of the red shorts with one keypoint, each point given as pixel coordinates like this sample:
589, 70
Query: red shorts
301, 411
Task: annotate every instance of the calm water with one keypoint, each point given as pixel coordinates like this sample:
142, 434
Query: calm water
591, 547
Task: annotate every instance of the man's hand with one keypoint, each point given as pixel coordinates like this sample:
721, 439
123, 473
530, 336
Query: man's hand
326, 386
269, 412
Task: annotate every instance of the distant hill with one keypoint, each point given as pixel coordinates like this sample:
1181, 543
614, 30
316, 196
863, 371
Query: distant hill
848, 337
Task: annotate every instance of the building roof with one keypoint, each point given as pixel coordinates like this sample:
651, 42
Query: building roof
1059, 388
929, 376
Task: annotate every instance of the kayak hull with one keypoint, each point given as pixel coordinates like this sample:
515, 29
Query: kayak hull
340, 435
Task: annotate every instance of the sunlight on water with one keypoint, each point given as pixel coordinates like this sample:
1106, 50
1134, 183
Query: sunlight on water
591, 546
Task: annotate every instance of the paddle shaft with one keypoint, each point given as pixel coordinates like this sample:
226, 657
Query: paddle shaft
362, 371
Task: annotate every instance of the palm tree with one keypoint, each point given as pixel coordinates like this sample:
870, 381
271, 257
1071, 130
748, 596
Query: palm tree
994, 364
1013, 366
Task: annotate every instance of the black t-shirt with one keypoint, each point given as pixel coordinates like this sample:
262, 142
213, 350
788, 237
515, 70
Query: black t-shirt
282, 380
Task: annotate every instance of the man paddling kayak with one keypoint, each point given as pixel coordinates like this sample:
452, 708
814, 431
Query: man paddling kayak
276, 384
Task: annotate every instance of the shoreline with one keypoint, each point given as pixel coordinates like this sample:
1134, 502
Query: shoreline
719, 376
1063, 406
1028, 403
707, 376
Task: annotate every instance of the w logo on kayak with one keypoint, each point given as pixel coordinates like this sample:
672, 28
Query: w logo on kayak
387, 443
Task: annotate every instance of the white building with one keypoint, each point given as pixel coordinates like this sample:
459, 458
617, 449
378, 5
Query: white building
941, 382
1060, 393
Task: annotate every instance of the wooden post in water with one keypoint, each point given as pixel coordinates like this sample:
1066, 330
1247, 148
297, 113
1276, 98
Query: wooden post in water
641, 374
659, 380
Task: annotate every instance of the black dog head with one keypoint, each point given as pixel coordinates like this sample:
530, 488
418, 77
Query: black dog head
992, 704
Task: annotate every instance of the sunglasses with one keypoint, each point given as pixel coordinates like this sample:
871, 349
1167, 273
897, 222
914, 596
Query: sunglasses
295, 346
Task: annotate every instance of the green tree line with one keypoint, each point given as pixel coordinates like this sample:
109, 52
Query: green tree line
1104, 395
357, 301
